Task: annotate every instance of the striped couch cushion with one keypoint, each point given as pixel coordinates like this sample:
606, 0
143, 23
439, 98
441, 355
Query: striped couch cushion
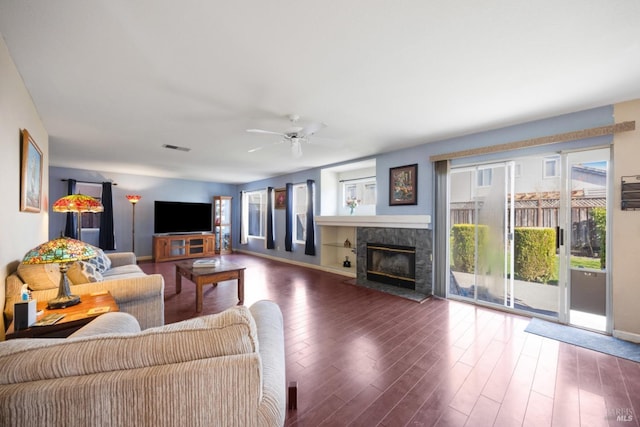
231, 332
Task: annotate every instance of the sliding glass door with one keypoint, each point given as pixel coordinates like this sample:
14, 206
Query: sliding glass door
481, 238
530, 235
586, 239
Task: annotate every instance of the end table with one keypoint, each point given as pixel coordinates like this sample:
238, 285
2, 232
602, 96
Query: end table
91, 306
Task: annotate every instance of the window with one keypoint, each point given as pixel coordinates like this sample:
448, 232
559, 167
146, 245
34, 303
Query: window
361, 189
300, 213
551, 167
257, 203
90, 220
517, 170
485, 177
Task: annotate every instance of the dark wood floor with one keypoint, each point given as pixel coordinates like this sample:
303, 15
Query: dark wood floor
365, 358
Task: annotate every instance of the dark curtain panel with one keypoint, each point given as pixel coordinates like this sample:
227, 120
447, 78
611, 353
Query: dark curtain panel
440, 228
107, 237
271, 244
288, 221
310, 243
71, 227
244, 218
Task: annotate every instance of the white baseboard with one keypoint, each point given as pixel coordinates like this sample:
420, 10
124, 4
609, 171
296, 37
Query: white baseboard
627, 336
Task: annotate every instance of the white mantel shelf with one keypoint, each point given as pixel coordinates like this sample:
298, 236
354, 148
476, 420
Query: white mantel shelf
388, 221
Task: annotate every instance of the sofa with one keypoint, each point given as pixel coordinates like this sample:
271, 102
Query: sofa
135, 292
225, 369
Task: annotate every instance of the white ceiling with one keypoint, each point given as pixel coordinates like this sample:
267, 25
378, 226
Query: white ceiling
114, 80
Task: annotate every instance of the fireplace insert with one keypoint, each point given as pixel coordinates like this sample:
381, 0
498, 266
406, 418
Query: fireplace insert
392, 264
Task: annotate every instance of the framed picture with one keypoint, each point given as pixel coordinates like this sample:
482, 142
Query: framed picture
281, 198
31, 175
403, 185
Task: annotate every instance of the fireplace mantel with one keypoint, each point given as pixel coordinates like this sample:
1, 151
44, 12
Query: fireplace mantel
387, 221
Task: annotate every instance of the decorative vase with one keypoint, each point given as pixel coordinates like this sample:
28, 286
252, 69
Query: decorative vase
351, 211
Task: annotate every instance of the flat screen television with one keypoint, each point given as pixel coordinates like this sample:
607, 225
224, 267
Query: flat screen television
182, 217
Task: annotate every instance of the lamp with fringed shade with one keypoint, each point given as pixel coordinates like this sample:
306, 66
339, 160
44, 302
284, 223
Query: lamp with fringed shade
63, 251
78, 203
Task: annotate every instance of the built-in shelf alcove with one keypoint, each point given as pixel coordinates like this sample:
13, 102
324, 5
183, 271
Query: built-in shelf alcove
401, 230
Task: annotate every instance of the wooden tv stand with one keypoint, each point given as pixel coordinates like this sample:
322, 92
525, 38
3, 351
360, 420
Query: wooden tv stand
169, 247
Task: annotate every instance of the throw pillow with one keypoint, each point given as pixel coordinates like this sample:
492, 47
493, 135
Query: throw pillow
101, 261
40, 277
84, 272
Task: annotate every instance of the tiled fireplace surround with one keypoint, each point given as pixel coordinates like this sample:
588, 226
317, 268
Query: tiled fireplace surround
421, 239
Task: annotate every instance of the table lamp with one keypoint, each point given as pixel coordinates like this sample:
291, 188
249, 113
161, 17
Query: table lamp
63, 251
78, 203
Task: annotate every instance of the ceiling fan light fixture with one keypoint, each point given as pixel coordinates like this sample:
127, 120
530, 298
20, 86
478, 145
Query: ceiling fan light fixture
296, 148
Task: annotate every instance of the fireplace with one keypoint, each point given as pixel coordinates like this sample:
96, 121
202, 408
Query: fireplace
418, 264
392, 264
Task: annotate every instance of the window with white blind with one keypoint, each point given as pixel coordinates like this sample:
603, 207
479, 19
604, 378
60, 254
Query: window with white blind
299, 213
257, 207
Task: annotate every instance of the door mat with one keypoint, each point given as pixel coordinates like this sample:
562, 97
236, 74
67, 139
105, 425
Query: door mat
587, 339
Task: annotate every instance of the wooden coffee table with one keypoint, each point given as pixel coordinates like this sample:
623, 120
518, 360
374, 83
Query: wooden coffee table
221, 271
76, 316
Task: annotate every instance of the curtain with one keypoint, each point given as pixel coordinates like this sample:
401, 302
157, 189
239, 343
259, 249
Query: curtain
441, 229
244, 218
288, 221
71, 226
107, 239
310, 243
271, 244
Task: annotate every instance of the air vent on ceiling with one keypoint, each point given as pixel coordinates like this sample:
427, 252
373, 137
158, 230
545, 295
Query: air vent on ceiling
175, 147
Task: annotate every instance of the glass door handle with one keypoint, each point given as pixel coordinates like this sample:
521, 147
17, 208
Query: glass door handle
559, 237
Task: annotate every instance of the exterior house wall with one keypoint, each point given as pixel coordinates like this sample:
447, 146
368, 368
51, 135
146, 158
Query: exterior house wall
625, 228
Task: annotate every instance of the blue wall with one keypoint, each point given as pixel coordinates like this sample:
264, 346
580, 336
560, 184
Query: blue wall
150, 188
195, 191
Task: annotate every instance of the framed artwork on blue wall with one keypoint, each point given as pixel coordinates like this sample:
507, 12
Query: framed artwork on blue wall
403, 185
280, 198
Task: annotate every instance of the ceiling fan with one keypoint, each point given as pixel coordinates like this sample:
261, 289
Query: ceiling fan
295, 135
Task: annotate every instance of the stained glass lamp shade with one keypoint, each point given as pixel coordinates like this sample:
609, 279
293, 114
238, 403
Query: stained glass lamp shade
63, 251
78, 203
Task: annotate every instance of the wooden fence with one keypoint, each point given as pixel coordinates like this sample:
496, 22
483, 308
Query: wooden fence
543, 212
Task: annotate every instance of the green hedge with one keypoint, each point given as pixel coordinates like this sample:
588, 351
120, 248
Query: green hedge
600, 218
534, 253
463, 246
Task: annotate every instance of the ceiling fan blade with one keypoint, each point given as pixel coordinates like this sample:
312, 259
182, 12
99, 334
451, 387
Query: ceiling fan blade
311, 128
268, 132
253, 150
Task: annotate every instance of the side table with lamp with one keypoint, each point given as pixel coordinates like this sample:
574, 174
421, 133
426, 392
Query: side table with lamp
65, 251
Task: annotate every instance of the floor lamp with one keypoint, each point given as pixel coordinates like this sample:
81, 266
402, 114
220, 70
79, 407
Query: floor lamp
133, 198
78, 203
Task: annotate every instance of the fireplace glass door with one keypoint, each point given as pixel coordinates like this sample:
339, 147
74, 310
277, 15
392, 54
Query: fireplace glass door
481, 239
